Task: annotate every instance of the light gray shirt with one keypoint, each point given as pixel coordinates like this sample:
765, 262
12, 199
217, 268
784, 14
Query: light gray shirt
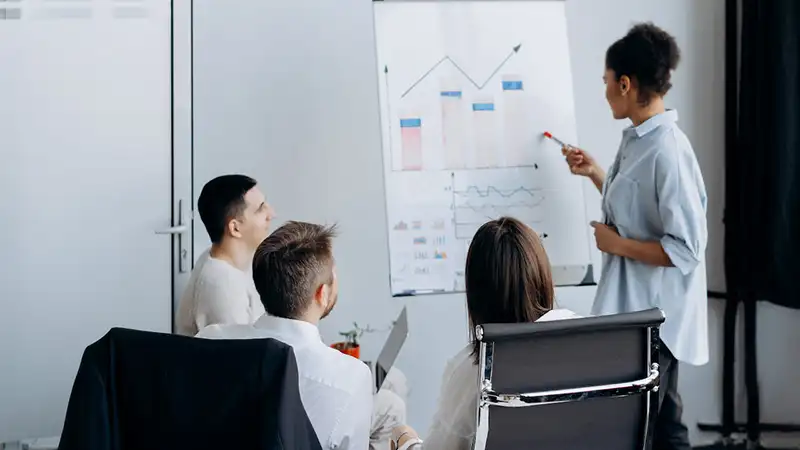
217, 293
654, 191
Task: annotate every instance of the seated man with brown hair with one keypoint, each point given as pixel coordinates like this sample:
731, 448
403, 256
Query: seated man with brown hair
294, 272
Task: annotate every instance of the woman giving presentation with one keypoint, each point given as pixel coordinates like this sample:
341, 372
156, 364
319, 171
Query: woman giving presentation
653, 234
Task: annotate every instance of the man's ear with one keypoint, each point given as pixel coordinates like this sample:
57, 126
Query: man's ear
321, 294
234, 228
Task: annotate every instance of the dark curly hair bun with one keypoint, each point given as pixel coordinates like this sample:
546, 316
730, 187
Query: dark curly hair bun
647, 55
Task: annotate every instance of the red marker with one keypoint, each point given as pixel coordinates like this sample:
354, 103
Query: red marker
557, 140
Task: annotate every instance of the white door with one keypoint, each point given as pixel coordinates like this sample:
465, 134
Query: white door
85, 181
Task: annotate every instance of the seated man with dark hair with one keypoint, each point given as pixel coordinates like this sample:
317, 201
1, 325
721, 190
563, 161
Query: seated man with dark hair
220, 290
294, 272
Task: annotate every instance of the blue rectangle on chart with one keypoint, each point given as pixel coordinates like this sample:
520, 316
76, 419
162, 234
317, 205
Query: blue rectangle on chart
453, 94
483, 106
512, 85
410, 123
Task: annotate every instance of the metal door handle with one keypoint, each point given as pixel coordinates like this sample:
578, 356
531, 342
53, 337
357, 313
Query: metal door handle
179, 229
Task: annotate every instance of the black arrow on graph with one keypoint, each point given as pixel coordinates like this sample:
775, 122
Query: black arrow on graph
389, 111
453, 195
480, 86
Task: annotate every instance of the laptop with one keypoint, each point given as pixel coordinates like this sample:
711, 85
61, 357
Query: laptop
386, 359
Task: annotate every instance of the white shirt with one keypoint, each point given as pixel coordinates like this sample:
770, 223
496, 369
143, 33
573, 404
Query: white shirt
217, 293
654, 191
455, 419
336, 389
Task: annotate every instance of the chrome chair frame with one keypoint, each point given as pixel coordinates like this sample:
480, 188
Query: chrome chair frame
648, 386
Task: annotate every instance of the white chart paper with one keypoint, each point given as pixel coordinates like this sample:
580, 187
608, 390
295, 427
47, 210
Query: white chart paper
467, 89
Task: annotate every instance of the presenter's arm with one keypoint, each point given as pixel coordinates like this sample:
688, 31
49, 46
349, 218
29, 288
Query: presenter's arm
582, 163
681, 205
598, 179
648, 252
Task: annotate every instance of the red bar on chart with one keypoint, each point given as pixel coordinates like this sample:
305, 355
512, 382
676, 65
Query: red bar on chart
411, 141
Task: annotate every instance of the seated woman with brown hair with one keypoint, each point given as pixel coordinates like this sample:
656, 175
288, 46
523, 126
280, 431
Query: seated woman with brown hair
508, 280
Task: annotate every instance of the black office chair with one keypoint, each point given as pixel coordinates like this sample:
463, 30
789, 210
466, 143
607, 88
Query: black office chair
578, 384
138, 390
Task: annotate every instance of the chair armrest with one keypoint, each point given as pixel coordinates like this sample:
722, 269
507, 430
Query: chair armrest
624, 389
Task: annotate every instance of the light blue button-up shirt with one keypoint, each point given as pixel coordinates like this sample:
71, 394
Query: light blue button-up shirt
654, 191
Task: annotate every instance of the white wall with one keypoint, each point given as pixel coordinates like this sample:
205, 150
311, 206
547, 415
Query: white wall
287, 92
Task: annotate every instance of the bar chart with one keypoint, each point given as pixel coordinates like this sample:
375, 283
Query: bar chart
463, 124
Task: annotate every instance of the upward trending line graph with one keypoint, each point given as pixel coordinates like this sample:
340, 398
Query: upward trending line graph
477, 85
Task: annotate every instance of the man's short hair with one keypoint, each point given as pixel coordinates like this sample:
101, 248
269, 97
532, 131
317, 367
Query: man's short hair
289, 266
221, 200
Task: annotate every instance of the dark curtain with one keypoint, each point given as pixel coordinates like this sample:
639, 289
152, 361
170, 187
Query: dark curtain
762, 211
762, 183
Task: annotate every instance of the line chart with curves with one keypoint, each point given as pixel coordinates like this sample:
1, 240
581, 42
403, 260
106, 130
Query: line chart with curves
473, 206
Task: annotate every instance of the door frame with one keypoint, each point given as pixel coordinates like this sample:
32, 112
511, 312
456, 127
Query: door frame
182, 149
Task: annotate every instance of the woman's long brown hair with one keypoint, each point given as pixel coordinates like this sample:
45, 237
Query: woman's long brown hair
508, 276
